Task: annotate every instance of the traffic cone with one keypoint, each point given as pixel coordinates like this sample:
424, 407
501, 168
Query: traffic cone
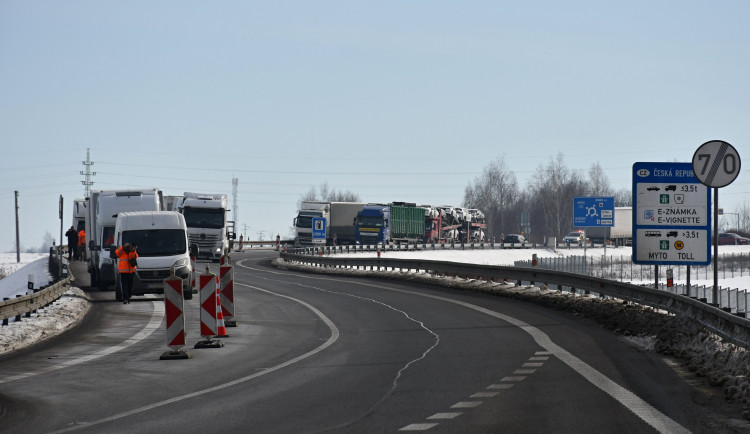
221, 329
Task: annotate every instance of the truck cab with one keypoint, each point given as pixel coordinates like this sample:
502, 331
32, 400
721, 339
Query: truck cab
303, 222
372, 224
207, 225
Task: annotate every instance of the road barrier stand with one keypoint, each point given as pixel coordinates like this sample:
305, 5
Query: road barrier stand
208, 311
174, 306
193, 272
226, 274
221, 330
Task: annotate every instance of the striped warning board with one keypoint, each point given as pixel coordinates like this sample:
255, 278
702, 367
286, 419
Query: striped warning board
208, 304
174, 307
226, 273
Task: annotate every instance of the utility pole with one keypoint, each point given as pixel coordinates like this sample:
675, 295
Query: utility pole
18, 238
88, 182
235, 208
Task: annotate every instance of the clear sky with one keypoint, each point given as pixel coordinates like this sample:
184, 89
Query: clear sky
393, 100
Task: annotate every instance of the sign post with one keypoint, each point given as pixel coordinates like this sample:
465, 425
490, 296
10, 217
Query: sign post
671, 215
716, 164
319, 230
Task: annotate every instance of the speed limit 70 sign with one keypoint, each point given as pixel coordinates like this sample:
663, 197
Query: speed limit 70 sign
716, 163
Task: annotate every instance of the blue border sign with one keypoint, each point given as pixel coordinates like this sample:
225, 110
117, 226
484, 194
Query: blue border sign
593, 212
319, 230
671, 215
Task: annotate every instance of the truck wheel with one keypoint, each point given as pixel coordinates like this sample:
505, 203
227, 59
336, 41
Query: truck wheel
187, 294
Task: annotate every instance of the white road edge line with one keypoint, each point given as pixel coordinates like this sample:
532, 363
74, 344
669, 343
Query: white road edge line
153, 324
334, 337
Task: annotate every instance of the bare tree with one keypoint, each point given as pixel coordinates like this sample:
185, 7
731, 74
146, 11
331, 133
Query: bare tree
623, 197
599, 182
552, 192
325, 194
495, 193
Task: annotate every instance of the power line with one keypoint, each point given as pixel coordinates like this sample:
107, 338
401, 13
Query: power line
88, 182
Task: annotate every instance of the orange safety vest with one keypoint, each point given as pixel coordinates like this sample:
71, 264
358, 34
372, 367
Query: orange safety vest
82, 238
123, 257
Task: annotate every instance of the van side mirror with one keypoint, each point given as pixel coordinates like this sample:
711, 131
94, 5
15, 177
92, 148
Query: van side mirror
231, 235
112, 252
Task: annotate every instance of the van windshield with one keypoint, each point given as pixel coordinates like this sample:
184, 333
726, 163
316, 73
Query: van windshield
204, 217
157, 242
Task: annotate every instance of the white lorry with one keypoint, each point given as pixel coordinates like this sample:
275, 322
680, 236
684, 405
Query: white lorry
162, 240
339, 217
79, 214
208, 227
103, 208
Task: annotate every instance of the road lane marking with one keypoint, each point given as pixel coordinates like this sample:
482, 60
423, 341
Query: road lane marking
451, 415
418, 427
153, 324
485, 395
649, 414
333, 338
502, 386
524, 371
467, 404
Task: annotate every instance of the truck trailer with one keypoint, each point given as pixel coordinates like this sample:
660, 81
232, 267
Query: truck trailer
339, 222
390, 223
621, 234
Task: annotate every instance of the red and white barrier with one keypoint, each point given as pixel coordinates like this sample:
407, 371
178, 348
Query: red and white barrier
226, 273
208, 290
174, 306
221, 330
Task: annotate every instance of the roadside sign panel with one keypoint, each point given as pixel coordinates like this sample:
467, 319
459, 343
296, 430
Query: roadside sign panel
671, 215
318, 230
716, 163
593, 212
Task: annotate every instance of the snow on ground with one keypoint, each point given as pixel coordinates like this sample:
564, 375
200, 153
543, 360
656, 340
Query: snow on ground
47, 322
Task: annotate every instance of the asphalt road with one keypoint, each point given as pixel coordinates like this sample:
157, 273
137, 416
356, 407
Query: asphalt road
328, 354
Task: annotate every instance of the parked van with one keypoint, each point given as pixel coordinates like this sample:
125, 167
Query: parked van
162, 242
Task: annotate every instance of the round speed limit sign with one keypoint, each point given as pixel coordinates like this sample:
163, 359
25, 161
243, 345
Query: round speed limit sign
716, 163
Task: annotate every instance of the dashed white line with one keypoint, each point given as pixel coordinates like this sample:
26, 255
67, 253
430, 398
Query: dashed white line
524, 371
418, 427
532, 365
466, 404
502, 386
485, 395
514, 378
451, 415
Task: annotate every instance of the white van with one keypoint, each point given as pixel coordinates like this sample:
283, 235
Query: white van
162, 242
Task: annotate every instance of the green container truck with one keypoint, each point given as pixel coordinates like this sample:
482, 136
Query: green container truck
391, 223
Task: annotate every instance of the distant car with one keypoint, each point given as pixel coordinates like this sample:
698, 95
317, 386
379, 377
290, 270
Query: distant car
671, 188
574, 238
728, 238
514, 239
653, 189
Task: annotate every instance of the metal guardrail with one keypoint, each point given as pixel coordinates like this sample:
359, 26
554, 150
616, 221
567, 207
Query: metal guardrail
25, 305
726, 325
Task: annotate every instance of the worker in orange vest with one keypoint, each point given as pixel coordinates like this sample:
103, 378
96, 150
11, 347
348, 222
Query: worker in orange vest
126, 267
82, 244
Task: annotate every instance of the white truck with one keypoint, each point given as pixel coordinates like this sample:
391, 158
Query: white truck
162, 239
208, 227
79, 214
103, 208
621, 234
339, 217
